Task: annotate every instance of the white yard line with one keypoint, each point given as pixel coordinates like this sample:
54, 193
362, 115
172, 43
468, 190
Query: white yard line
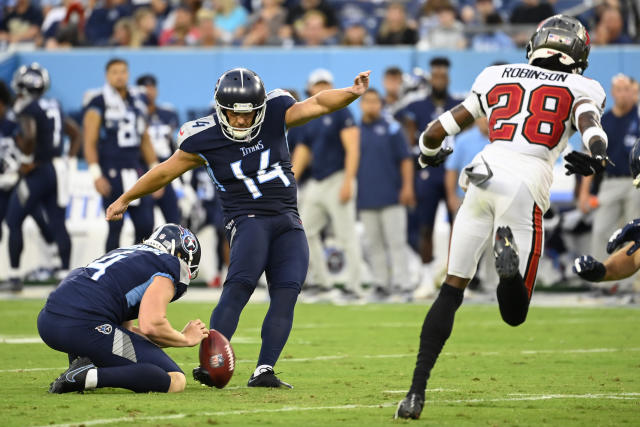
392, 356
616, 396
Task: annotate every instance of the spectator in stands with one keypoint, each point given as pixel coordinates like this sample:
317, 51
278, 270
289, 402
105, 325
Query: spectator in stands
392, 83
21, 24
617, 201
385, 184
531, 12
355, 33
448, 33
99, 27
396, 29
230, 20
429, 184
208, 34
122, 33
314, 31
266, 25
610, 29
296, 17
331, 148
144, 30
183, 32
493, 39
63, 25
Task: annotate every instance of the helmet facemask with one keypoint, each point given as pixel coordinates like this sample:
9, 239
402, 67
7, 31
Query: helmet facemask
241, 134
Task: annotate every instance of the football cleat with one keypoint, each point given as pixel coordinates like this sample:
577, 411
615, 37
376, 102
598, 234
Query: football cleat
202, 376
73, 379
506, 253
410, 407
14, 284
267, 378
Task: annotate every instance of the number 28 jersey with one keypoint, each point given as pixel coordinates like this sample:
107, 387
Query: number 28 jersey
530, 113
252, 178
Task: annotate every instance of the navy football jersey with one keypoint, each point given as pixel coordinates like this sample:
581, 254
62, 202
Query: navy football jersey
123, 124
252, 177
47, 114
9, 152
202, 184
112, 286
163, 123
424, 111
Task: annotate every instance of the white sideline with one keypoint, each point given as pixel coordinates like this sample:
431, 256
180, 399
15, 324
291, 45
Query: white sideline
533, 397
390, 356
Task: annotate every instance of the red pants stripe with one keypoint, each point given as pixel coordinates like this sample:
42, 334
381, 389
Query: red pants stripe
536, 250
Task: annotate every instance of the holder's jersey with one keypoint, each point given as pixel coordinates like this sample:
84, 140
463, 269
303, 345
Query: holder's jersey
252, 178
530, 112
48, 117
163, 123
121, 129
112, 286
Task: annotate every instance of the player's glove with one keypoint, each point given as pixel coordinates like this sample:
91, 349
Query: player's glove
628, 233
589, 268
435, 160
584, 164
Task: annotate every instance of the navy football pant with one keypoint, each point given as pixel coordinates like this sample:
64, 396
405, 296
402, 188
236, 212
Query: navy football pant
278, 246
38, 216
123, 358
141, 215
168, 205
35, 191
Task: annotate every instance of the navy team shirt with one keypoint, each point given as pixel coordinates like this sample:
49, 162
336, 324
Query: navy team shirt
120, 132
48, 118
382, 147
162, 124
254, 177
623, 133
111, 287
322, 136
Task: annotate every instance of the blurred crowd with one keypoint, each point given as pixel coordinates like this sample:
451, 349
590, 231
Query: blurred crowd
426, 24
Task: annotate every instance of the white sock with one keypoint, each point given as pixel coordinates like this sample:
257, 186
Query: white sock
91, 381
259, 369
14, 273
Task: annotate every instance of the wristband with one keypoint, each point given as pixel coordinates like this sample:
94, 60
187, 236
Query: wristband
426, 150
27, 159
95, 171
594, 131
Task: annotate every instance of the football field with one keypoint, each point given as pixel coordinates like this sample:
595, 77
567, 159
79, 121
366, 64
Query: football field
350, 365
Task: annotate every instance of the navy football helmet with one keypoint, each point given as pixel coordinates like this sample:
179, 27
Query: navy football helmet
634, 163
563, 37
31, 80
240, 90
178, 241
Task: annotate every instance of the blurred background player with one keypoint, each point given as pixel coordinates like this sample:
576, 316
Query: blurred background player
616, 203
330, 149
245, 143
509, 181
430, 189
90, 316
162, 125
385, 189
44, 172
115, 143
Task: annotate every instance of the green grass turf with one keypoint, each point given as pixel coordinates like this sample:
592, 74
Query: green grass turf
489, 374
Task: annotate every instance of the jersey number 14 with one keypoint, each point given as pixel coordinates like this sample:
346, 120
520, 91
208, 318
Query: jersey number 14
549, 108
263, 175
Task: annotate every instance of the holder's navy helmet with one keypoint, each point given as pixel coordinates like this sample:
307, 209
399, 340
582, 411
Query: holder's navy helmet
178, 241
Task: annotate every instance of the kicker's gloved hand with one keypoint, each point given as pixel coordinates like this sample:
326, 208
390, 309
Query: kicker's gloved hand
435, 160
584, 164
589, 268
628, 233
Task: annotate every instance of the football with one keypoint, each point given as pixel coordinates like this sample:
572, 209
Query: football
217, 357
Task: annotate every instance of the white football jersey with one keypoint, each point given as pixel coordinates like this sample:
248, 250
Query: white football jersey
530, 119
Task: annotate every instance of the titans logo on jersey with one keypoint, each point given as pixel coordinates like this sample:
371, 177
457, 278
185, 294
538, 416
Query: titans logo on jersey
113, 285
48, 118
162, 124
123, 123
253, 177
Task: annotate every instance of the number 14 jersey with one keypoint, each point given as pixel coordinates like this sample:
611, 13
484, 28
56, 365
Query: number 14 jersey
253, 178
530, 113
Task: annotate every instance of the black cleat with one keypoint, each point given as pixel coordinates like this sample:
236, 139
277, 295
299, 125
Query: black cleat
72, 379
14, 284
410, 407
506, 253
267, 378
202, 376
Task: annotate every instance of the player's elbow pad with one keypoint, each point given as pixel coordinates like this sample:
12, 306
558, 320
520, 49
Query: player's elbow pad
473, 106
